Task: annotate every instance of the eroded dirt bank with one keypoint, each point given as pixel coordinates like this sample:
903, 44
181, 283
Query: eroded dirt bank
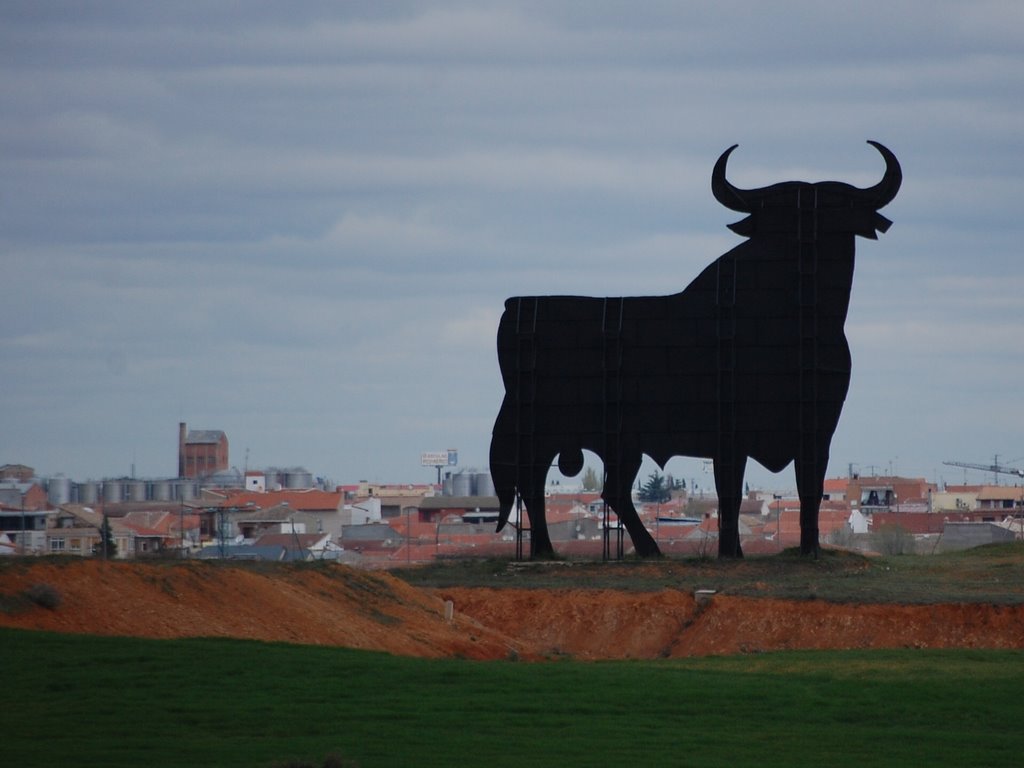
351, 608
333, 606
604, 624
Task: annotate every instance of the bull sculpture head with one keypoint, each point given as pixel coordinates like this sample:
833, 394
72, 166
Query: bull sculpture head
844, 207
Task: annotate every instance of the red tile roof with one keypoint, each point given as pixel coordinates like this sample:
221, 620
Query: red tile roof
836, 484
312, 500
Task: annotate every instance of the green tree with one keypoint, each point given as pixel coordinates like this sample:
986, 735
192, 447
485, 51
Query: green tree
106, 547
591, 482
655, 490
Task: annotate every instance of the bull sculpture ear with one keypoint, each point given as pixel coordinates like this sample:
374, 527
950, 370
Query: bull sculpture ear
743, 227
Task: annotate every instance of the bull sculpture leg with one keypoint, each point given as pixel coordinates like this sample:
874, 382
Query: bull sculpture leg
532, 491
617, 492
810, 485
729, 487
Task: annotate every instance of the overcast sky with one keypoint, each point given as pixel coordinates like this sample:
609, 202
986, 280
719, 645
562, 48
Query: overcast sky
298, 222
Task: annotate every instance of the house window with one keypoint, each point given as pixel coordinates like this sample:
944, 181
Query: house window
876, 497
75, 545
57, 545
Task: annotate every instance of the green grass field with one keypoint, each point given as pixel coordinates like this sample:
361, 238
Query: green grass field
77, 700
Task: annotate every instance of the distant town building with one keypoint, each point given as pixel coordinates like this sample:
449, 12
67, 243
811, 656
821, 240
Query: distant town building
1001, 498
18, 495
889, 493
956, 498
18, 473
256, 482
201, 452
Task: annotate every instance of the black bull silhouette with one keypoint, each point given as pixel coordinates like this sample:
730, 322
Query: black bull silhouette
749, 361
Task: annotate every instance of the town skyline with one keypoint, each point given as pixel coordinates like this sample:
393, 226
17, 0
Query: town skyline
692, 471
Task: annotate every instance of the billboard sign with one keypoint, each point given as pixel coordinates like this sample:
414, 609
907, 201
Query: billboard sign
447, 458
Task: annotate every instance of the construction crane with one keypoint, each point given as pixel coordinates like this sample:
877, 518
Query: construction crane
995, 468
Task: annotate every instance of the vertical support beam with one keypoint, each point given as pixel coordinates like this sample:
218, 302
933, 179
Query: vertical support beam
526, 381
809, 365
520, 530
725, 328
809, 457
611, 334
728, 462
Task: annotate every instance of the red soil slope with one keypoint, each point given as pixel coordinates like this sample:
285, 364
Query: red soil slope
345, 607
606, 624
341, 606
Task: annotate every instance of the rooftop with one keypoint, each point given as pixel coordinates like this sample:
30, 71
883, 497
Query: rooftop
196, 436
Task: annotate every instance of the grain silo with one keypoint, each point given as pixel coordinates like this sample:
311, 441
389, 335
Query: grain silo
185, 490
135, 490
298, 478
58, 490
483, 484
462, 484
88, 492
113, 491
160, 490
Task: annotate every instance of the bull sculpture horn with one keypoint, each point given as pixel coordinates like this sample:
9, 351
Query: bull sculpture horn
724, 192
741, 200
884, 191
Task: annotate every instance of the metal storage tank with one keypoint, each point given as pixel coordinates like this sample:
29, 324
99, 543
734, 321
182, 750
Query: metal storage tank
483, 485
446, 485
58, 490
298, 478
88, 492
185, 490
271, 479
113, 491
135, 490
462, 484
161, 490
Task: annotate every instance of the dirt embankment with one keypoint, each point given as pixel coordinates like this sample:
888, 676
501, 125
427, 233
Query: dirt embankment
334, 606
600, 624
345, 607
